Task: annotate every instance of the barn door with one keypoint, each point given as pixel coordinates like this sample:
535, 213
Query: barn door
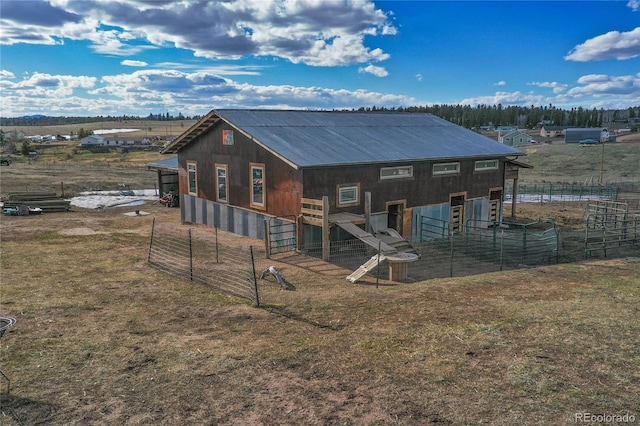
395, 214
456, 217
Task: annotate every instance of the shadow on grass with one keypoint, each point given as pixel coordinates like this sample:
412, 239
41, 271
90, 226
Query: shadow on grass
25, 411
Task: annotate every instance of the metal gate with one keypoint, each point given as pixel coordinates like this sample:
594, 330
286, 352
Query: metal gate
280, 236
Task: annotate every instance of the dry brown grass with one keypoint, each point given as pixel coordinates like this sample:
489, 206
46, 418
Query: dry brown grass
145, 128
102, 338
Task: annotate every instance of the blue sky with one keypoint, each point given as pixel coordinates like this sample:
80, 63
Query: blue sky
135, 57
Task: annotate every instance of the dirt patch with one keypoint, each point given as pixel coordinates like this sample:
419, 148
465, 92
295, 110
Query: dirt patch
79, 231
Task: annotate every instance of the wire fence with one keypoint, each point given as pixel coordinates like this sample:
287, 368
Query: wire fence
195, 254
286, 279
544, 192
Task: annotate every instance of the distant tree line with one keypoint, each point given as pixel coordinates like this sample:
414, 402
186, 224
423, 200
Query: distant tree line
41, 120
522, 117
463, 115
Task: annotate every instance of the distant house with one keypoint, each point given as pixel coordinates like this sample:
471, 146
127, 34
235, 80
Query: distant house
515, 138
127, 142
92, 140
240, 168
575, 135
549, 131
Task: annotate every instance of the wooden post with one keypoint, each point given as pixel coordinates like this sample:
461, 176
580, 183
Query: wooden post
514, 197
367, 211
267, 239
299, 233
325, 228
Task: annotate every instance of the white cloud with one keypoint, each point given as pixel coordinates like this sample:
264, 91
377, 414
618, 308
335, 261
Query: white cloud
372, 69
313, 32
505, 98
591, 91
557, 87
419, 77
161, 90
634, 5
612, 45
6, 74
600, 85
132, 63
500, 83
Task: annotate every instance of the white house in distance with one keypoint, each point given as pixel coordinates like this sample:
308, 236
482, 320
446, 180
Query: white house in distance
97, 140
92, 140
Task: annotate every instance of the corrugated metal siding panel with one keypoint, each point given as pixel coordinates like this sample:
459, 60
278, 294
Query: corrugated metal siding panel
333, 138
224, 217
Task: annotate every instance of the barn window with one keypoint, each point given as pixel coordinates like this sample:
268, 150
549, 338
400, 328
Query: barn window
348, 195
446, 168
221, 183
192, 172
396, 172
257, 186
486, 165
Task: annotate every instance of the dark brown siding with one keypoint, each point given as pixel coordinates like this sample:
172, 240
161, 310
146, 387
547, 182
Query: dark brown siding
421, 190
283, 185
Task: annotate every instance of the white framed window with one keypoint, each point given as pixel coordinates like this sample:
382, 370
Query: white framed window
257, 186
483, 165
398, 172
348, 195
222, 194
446, 168
192, 176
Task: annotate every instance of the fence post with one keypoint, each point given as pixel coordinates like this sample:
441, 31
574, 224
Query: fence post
216, 238
451, 235
501, 249
267, 239
153, 228
255, 281
378, 267
190, 258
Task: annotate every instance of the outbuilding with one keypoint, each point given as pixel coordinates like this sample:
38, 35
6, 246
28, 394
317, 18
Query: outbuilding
377, 170
576, 135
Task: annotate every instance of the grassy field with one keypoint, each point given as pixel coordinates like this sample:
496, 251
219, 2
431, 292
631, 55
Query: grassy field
145, 128
560, 162
103, 338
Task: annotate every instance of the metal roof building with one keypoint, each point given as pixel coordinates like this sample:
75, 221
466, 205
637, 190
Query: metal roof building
333, 138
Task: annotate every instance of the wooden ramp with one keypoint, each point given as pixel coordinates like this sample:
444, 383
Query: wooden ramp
366, 237
367, 267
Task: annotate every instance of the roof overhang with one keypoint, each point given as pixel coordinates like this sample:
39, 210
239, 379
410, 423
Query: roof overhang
167, 165
519, 164
192, 133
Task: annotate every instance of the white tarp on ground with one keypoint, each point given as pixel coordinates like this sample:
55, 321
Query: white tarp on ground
103, 199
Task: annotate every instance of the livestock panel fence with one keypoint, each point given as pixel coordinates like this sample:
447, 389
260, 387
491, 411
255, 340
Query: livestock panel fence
284, 281
196, 255
276, 274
